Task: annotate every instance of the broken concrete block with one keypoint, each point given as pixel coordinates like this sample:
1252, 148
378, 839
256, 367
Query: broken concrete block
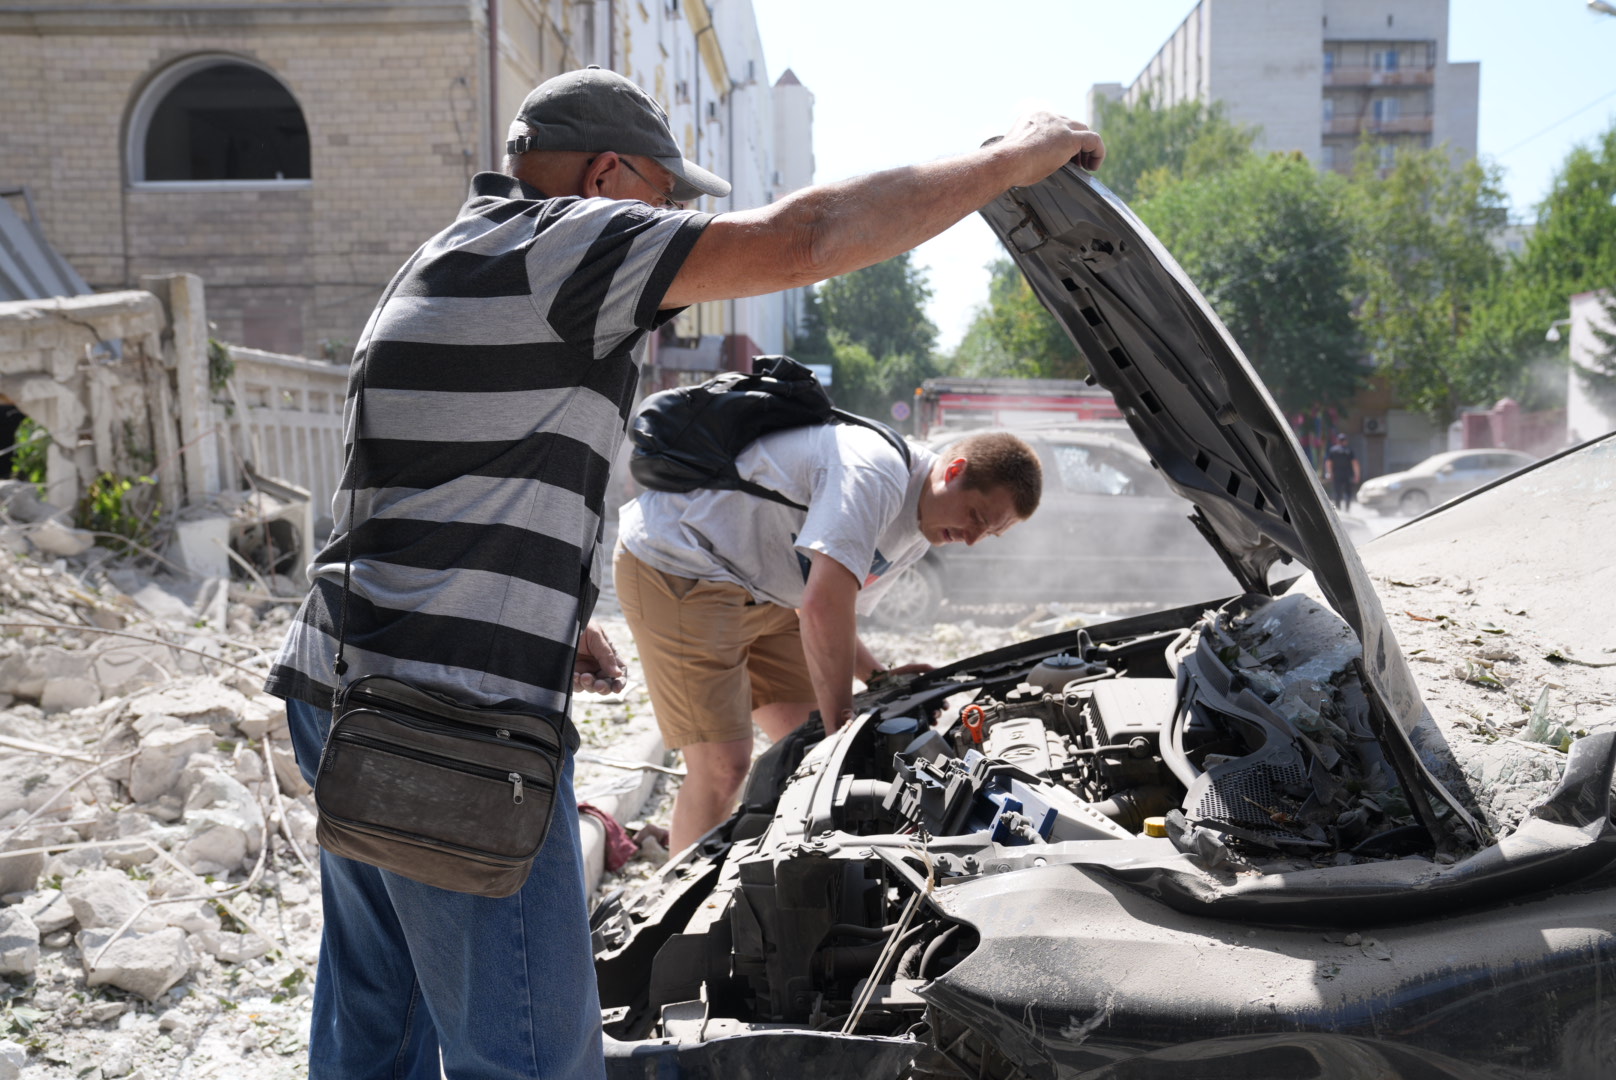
231, 948
27, 782
223, 822
286, 771
21, 502
19, 873
142, 963
262, 714
200, 544
302, 822
55, 538
195, 701
248, 766
143, 832
65, 694
163, 754
25, 674
47, 909
177, 1025
19, 943
150, 722
194, 917
104, 899
122, 666
13, 1058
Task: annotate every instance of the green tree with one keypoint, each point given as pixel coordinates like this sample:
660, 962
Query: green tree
1148, 148
1267, 243
811, 343
882, 307
880, 339
1422, 260
1013, 335
1572, 249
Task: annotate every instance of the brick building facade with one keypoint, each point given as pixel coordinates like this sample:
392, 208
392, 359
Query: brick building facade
125, 123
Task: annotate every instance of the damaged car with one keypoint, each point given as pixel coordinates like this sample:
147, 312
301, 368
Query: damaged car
1229, 839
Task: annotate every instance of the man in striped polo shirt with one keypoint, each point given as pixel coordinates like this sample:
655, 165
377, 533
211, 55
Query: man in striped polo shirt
497, 374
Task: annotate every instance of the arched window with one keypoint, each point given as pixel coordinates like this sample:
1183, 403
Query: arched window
213, 120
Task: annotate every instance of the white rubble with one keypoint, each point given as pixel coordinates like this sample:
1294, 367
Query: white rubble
223, 822
55, 538
19, 872
13, 1056
19, 943
47, 909
141, 963
199, 700
105, 899
164, 750
24, 674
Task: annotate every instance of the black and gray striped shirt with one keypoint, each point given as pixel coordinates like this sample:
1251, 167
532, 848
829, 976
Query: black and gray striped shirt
499, 370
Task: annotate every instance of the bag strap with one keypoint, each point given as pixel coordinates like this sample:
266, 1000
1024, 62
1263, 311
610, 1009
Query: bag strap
349, 472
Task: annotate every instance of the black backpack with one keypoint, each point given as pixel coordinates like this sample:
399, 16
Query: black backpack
687, 438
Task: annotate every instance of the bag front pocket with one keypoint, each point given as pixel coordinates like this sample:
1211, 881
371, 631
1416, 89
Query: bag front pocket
485, 796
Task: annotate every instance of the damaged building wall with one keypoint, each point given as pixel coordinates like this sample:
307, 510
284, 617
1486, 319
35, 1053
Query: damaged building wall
291, 262
89, 369
125, 384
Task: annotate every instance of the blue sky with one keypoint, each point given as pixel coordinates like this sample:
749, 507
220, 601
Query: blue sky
898, 81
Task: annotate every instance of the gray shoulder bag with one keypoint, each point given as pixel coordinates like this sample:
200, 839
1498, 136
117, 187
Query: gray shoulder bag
456, 796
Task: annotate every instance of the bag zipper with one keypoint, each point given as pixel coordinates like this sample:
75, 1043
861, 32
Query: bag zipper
515, 779
501, 736
385, 704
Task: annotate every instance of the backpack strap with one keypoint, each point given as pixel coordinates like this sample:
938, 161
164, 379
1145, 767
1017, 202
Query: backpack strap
842, 416
742, 484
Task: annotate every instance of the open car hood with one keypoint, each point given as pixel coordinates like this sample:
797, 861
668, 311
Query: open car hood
1207, 421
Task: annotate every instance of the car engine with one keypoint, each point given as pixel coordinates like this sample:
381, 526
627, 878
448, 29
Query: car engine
1234, 738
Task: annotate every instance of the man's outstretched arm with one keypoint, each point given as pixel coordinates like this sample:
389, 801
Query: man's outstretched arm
830, 229
830, 636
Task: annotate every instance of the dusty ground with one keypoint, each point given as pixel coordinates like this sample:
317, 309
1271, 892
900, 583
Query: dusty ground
240, 1006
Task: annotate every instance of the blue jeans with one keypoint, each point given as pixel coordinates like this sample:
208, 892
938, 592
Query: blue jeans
503, 988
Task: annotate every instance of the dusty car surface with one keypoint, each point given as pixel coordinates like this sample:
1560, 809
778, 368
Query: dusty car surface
1439, 478
1108, 529
1228, 839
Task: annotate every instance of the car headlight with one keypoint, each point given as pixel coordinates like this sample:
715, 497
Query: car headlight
1394, 485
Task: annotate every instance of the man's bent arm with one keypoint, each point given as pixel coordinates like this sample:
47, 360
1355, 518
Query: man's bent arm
830, 229
830, 636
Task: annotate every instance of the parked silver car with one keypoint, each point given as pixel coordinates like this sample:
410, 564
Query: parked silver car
1108, 530
1439, 478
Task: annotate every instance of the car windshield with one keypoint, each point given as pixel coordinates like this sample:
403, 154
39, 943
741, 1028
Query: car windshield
1085, 472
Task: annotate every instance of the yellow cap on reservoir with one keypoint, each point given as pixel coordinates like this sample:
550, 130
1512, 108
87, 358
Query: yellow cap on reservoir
1155, 826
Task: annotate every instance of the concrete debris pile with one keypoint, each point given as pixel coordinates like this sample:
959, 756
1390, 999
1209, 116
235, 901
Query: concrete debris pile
156, 837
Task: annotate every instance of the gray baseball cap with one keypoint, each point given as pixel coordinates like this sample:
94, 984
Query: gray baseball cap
595, 110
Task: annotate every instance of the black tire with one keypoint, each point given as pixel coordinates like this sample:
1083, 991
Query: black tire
1414, 501
913, 599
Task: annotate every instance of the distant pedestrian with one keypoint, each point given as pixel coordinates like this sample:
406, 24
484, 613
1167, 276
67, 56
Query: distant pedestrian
1341, 472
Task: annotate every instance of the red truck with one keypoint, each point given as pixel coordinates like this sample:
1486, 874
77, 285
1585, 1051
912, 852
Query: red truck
959, 403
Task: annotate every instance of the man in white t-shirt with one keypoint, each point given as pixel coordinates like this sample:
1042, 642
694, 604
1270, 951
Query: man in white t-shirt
744, 609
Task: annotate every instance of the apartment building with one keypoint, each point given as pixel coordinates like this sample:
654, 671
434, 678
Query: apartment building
1319, 76
293, 154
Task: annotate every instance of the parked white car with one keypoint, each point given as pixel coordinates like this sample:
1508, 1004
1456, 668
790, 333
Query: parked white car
1439, 478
